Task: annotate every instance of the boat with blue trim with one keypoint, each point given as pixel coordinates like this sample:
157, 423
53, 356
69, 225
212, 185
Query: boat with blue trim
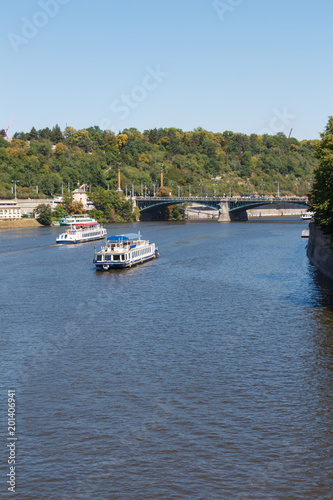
124, 250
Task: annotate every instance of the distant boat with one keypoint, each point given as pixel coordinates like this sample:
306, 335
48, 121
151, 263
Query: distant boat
307, 216
70, 220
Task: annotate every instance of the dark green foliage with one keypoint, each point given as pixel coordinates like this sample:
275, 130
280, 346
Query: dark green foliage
111, 206
44, 214
321, 196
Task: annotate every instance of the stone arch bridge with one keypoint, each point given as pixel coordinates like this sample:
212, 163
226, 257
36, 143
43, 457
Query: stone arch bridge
228, 209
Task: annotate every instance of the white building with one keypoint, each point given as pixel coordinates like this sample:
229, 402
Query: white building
9, 210
81, 194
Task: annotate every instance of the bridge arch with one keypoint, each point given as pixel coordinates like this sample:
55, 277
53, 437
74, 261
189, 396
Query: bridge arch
230, 208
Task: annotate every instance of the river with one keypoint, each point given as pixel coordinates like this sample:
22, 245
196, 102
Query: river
204, 374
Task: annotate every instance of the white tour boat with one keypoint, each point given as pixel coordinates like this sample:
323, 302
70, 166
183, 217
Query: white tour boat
69, 220
307, 216
81, 232
124, 250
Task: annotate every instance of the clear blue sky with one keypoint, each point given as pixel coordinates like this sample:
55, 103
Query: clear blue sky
249, 66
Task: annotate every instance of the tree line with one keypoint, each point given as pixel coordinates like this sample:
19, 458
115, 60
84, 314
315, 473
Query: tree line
199, 161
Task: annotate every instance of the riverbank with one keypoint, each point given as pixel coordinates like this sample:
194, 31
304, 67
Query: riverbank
319, 251
18, 223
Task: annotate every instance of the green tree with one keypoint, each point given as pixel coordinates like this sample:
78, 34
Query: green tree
56, 134
107, 202
321, 196
43, 214
59, 212
81, 138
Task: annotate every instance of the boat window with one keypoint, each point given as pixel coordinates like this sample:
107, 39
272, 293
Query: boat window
116, 257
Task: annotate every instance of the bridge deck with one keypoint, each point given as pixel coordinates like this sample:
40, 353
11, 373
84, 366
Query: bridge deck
216, 202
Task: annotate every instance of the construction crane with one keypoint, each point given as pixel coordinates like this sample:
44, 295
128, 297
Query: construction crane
3, 132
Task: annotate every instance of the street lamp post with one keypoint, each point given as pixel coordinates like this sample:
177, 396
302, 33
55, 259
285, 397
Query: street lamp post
15, 187
262, 187
297, 188
248, 188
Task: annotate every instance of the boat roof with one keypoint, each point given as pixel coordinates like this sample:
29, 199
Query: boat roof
118, 238
80, 216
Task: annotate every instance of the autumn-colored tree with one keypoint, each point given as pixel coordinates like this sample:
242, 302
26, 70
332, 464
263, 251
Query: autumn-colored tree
164, 191
60, 149
122, 140
76, 208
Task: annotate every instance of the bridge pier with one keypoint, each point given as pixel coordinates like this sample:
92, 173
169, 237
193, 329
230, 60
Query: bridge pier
224, 215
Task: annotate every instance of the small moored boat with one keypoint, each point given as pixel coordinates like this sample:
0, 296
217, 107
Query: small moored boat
80, 233
124, 250
307, 216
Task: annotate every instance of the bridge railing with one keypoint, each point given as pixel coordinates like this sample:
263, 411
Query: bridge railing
222, 198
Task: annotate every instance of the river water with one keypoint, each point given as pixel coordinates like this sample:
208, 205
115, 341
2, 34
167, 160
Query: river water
204, 374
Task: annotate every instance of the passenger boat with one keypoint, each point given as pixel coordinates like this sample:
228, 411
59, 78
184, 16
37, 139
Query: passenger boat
307, 216
79, 233
124, 250
69, 220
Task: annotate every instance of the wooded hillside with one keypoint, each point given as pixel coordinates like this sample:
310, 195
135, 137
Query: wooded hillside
226, 162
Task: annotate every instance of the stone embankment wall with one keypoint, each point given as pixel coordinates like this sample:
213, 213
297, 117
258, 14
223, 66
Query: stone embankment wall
319, 251
201, 212
275, 212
